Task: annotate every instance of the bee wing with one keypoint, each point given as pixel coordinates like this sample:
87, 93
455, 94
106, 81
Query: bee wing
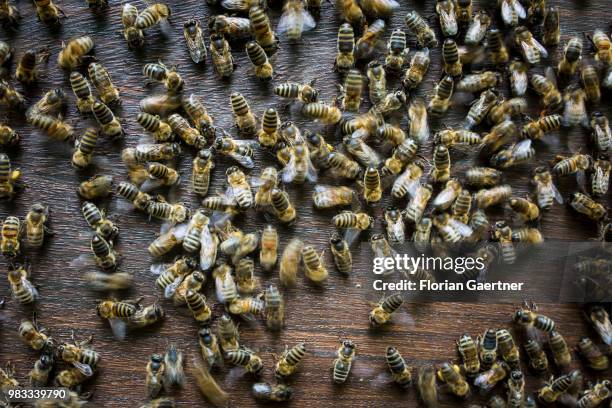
350, 235
208, 249
443, 197
84, 368
82, 262
540, 47
235, 5
197, 48
151, 184
244, 161
170, 290
522, 147
289, 19
180, 230
311, 170
157, 268
519, 9
29, 287
119, 328
463, 229
556, 193
507, 12
482, 381
581, 179
225, 281
519, 80
398, 230
289, 171
528, 52
604, 330
449, 22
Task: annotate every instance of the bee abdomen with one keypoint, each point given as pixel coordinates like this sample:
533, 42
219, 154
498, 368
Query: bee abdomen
310, 257
100, 247
148, 122
127, 191
392, 303
5, 167
124, 310
280, 201
346, 38
91, 213
296, 354
287, 90
159, 210
544, 323
341, 371
345, 220
240, 107
88, 142
239, 357
256, 54
102, 113
270, 121
158, 170
154, 71
395, 360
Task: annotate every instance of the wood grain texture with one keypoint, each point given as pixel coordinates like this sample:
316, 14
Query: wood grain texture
424, 333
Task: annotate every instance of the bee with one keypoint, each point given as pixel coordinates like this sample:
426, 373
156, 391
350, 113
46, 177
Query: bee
8, 136
192, 32
239, 188
271, 393
499, 135
39, 375
551, 27
104, 254
530, 48
171, 79
267, 182
525, 208
395, 227
451, 230
10, 97
598, 316
96, 187
531, 318
152, 15
426, 385
28, 70
595, 395
453, 137
416, 207
274, 310
160, 130
365, 46
556, 387
590, 82
537, 356
130, 192
197, 304
345, 58
408, 181
80, 355
342, 166
507, 348
209, 346
321, 112
247, 359
601, 134
397, 51
480, 109
342, 364
282, 207
478, 82
601, 176
48, 12
105, 282
571, 57
305, 93
101, 79
133, 35
506, 109
490, 377
372, 190
245, 120
419, 64
166, 242
228, 334
52, 102
262, 30
400, 157
426, 37
290, 261
192, 240
341, 254
289, 361
603, 47
451, 375
173, 373
268, 135
198, 114
351, 91
447, 14
191, 136
527, 235
7, 377
447, 196
441, 164
237, 28
551, 97
53, 127
377, 87
155, 373
259, 59
269, 247
441, 100
496, 47
208, 386
392, 102
422, 234
161, 105
295, 20
461, 207
478, 28
162, 175
117, 312
351, 12
245, 280
221, 56
487, 349
503, 234
511, 12
400, 371
571, 165
536, 129
35, 224
34, 336
10, 237
70, 377
518, 77
9, 15
171, 277
584, 204
314, 268
110, 125
161, 209
382, 313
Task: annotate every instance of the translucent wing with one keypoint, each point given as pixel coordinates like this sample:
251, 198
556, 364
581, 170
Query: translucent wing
29, 287
308, 21
289, 19
235, 5
604, 329
244, 161
507, 12
157, 268
556, 193
463, 229
449, 22
519, 79
528, 51
350, 235
84, 368
540, 47
289, 172
523, 147
444, 197
119, 328
82, 262
518, 8
208, 249
180, 230
170, 290
311, 171
196, 47
151, 184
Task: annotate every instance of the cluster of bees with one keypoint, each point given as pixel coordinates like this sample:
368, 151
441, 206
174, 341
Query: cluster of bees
209, 241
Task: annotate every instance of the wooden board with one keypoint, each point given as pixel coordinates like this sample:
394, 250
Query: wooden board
424, 333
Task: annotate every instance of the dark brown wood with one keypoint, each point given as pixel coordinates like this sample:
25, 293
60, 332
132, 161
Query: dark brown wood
424, 333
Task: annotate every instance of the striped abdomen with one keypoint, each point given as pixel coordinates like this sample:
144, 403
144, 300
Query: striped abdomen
239, 357
92, 214
102, 113
287, 90
197, 304
397, 365
444, 89
346, 38
25, 294
397, 42
88, 142
280, 200
161, 210
89, 357
148, 122
345, 220
441, 159
152, 15
270, 121
123, 310
310, 257
158, 170
295, 354
240, 107
82, 91
100, 247
341, 370
450, 52
392, 303
256, 54
371, 182
5, 168
11, 228
128, 191
461, 206
191, 242
260, 25
154, 71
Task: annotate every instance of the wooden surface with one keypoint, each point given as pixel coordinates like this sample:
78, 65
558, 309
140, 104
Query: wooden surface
424, 333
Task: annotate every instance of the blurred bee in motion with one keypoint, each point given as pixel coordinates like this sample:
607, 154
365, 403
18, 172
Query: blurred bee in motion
35, 336
590, 82
478, 82
36, 225
295, 20
451, 375
426, 37
314, 267
247, 359
154, 14
527, 210
603, 47
10, 237
352, 13
584, 204
28, 69
511, 12
10, 97
174, 376
262, 30
9, 15
345, 58
397, 52
268, 253
496, 47
498, 136
54, 128
596, 395
8, 136
483, 177
290, 262
571, 57
546, 191
419, 64
551, 27
101, 79
289, 360
48, 12
400, 371
221, 56
96, 187
271, 393
171, 79
104, 254
73, 52
105, 282
447, 14
601, 175
343, 363
155, 373
274, 309
381, 314
426, 385
192, 32
478, 27
537, 357
441, 100
133, 35
531, 50
236, 28
556, 387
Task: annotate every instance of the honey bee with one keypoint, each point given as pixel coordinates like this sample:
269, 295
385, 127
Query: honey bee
10, 97
8, 136
397, 51
117, 313
48, 12
155, 372
192, 32
35, 224
237, 28
174, 376
34, 336
152, 15
290, 261
584, 204
246, 359
221, 56
507, 348
130, 192
342, 166
478, 28
603, 47
345, 58
70, 377
171, 277
536, 129
454, 137
104, 254
515, 154
193, 234
447, 15
590, 82
372, 189
451, 375
395, 227
489, 378
601, 176
546, 191
598, 316
480, 109
426, 385
537, 356
28, 68
426, 37
341, 254
400, 371
383, 311
209, 346
447, 196
314, 268
55, 128
571, 57
529, 317
171, 79
525, 208
245, 120
197, 304
392, 102
191, 136
503, 234
101, 79
274, 309
342, 364
321, 112
147, 316
246, 282
601, 134
595, 395
487, 349
208, 386
365, 46
10, 237
422, 234
39, 375
441, 164
450, 57
408, 181
499, 135
134, 36
351, 91
556, 387
483, 177
419, 64
305, 93
228, 334
399, 159
451, 230
511, 12
239, 188
161, 105
295, 20
166, 242
160, 130
105, 282
262, 30
552, 31
96, 187
259, 59
289, 360
496, 47
478, 82
351, 12
163, 210
416, 207
551, 97
80, 355
441, 100
52, 102
7, 377
377, 82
